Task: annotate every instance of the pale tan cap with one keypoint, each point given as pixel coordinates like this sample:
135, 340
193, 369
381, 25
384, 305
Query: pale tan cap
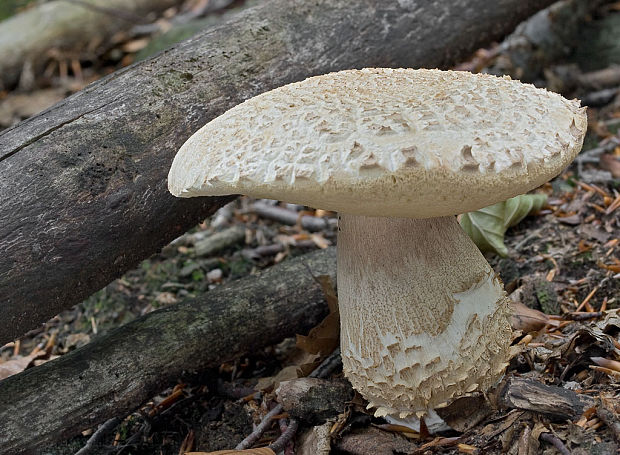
385, 142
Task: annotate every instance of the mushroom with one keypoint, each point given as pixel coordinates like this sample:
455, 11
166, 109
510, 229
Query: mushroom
398, 153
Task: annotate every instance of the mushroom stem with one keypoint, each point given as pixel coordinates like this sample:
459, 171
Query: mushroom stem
424, 317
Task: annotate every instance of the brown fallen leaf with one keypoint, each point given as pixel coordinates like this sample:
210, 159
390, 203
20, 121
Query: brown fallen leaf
16, 107
529, 320
324, 338
610, 163
18, 364
270, 383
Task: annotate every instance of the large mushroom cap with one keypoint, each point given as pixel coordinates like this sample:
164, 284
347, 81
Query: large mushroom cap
408, 143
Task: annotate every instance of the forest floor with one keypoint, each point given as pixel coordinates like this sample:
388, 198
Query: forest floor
563, 261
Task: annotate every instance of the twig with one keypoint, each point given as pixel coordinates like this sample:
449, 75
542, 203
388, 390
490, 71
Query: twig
98, 435
526, 239
273, 249
593, 155
582, 316
599, 98
259, 430
551, 439
285, 216
596, 151
322, 371
602, 78
608, 419
285, 438
587, 299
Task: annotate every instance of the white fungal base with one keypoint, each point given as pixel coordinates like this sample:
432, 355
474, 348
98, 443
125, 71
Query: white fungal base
424, 317
434, 423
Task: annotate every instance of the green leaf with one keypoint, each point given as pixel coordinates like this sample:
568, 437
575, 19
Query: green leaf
519, 207
487, 226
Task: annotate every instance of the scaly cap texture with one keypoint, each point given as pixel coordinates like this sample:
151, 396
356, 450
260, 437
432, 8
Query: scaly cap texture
409, 143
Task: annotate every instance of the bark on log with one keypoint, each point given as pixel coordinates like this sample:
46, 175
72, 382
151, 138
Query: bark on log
545, 38
66, 25
531, 395
83, 196
117, 372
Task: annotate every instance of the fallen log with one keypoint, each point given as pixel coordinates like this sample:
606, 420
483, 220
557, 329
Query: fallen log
67, 26
545, 38
83, 193
118, 371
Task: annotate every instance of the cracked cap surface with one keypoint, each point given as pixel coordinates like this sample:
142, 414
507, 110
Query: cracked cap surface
403, 142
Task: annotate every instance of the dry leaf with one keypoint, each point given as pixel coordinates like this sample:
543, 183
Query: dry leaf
527, 319
18, 364
611, 164
270, 383
19, 106
324, 338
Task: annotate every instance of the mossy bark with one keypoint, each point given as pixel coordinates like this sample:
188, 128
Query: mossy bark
83, 193
118, 371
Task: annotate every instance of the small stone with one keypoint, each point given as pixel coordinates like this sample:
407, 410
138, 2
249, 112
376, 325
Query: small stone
215, 276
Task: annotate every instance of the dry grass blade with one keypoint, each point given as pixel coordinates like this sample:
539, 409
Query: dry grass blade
168, 401
587, 299
613, 206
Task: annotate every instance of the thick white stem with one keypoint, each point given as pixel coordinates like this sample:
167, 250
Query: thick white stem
424, 317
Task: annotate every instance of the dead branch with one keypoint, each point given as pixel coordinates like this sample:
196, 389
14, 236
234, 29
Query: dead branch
289, 217
118, 371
